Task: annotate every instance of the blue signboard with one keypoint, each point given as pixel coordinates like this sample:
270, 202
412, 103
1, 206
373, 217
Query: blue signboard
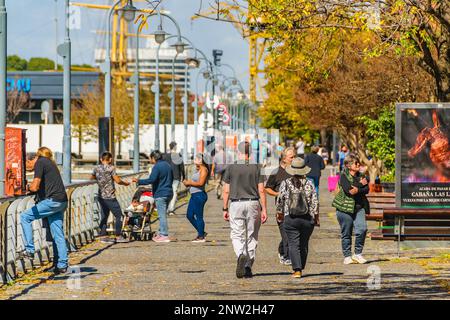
21, 85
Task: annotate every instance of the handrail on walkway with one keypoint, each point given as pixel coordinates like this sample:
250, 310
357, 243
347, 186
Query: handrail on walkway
81, 218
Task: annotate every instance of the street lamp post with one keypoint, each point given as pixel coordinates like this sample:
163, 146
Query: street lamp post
205, 113
172, 101
3, 101
173, 95
64, 51
206, 75
179, 46
185, 114
107, 64
136, 146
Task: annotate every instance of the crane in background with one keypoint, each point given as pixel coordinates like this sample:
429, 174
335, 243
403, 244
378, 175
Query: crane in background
120, 34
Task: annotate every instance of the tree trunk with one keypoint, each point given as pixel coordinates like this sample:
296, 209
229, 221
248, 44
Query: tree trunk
323, 137
443, 86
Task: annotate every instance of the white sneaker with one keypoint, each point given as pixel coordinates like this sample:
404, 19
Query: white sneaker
140, 208
359, 258
287, 262
130, 208
348, 260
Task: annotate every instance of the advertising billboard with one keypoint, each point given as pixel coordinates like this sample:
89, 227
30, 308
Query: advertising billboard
423, 155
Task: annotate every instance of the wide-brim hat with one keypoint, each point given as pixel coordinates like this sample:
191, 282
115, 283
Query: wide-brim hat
298, 168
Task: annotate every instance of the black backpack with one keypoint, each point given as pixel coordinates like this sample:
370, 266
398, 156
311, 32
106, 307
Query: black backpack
298, 205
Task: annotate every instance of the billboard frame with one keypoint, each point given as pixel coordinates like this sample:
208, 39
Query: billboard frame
398, 143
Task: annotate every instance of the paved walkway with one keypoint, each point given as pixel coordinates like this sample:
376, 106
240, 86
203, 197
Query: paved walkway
185, 270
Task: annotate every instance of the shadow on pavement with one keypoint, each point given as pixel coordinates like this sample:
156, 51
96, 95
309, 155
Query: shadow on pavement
90, 271
392, 286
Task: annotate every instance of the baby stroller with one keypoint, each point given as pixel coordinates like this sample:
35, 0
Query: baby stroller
139, 215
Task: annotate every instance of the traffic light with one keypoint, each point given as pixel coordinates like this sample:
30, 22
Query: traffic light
217, 54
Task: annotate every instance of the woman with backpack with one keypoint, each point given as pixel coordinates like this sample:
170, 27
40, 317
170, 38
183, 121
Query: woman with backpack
351, 208
298, 206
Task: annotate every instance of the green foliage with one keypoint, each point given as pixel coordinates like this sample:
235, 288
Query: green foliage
40, 64
84, 65
390, 177
16, 63
381, 139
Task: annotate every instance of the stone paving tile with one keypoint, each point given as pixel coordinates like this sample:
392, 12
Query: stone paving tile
185, 270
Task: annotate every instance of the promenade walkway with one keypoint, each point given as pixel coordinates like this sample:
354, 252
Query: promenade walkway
185, 270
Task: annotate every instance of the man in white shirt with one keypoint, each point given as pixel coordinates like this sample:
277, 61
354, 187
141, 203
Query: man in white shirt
300, 148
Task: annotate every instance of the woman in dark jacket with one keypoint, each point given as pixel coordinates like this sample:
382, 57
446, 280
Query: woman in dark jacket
351, 205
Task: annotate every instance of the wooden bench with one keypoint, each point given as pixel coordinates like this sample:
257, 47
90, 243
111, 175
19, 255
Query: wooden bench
378, 202
400, 224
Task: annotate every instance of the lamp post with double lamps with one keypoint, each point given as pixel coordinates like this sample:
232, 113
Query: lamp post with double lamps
135, 79
129, 12
179, 49
64, 50
172, 94
160, 37
206, 74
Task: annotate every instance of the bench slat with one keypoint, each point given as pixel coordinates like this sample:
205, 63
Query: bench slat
395, 237
416, 212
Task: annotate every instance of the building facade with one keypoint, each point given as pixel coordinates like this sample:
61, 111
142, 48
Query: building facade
41, 94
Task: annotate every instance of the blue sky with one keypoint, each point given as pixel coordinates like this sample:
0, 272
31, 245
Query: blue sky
31, 31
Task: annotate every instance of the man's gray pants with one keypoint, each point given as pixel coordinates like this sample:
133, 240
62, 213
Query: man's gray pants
171, 207
242, 214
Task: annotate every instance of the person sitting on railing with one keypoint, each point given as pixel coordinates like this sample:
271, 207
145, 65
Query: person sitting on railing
51, 202
161, 179
105, 174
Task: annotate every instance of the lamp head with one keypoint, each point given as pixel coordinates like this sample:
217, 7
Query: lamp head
160, 35
192, 62
179, 46
215, 81
234, 82
129, 11
230, 95
222, 88
206, 74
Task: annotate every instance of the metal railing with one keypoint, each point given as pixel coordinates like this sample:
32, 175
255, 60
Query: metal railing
81, 222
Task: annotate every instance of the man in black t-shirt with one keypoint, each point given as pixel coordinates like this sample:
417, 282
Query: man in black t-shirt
272, 188
51, 203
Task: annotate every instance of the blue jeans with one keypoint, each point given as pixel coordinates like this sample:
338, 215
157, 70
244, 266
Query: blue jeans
195, 211
110, 205
347, 221
54, 212
316, 181
161, 206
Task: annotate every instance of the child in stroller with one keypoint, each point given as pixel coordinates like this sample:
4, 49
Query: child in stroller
138, 214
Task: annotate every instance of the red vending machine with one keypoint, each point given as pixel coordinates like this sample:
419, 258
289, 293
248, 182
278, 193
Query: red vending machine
15, 157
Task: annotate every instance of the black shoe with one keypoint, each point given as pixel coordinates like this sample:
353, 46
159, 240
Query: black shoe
240, 268
50, 269
248, 272
57, 270
24, 254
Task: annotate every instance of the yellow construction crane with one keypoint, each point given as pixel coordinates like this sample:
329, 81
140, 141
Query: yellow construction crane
118, 43
256, 40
